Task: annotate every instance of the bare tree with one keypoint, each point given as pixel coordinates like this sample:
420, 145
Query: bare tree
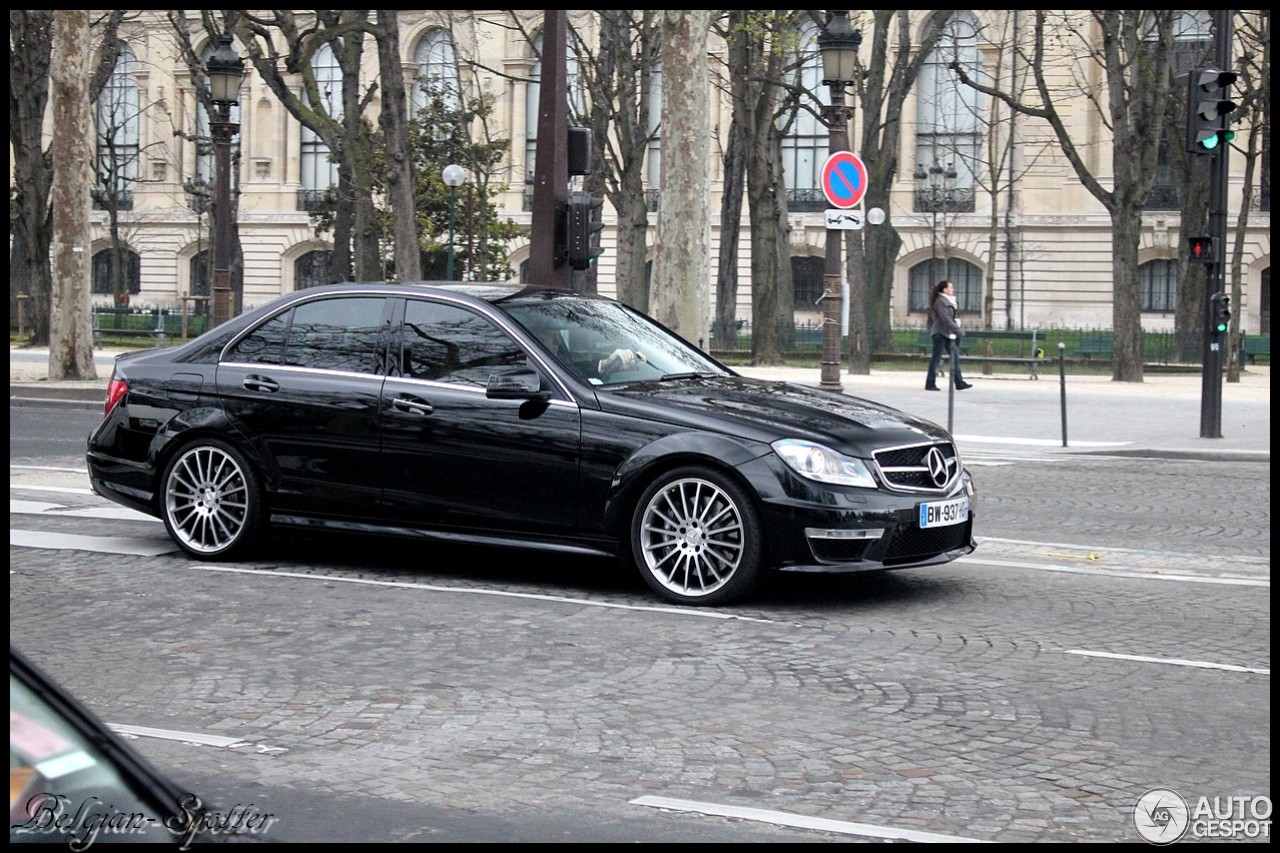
1254, 67
356, 241
394, 119
31, 216
70, 329
757, 90
681, 261
885, 83
1131, 49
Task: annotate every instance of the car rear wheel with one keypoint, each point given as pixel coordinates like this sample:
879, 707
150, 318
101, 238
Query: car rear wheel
211, 500
696, 538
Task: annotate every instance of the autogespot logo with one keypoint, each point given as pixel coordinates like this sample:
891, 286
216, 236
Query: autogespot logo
1161, 816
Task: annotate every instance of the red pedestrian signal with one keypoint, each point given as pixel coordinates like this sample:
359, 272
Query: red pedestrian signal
1202, 250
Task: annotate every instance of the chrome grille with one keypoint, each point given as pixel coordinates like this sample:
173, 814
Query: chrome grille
908, 469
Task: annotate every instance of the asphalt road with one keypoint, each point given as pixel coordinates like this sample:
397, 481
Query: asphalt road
1111, 635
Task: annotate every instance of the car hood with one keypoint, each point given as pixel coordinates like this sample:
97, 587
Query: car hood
766, 411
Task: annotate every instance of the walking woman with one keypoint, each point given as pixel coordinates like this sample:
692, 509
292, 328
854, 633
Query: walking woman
944, 324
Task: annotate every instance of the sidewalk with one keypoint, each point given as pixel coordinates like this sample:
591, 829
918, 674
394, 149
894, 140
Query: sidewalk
1007, 413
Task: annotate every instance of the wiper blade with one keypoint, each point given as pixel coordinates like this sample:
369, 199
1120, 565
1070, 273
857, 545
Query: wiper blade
692, 374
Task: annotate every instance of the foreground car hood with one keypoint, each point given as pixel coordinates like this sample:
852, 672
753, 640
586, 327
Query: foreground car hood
766, 411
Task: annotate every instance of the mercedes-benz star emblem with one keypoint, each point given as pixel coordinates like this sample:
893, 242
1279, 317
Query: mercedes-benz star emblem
939, 470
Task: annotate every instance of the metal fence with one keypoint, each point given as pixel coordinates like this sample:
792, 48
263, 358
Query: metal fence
160, 324
804, 340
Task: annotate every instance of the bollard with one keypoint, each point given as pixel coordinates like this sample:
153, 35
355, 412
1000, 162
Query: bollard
22, 315
1062, 384
951, 383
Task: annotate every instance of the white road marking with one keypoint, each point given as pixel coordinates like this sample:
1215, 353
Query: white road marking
1200, 664
110, 513
699, 612
184, 737
1131, 573
1036, 442
48, 468
804, 821
64, 490
134, 546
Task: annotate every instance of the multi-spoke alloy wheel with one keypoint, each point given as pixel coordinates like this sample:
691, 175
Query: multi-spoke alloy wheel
696, 539
211, 500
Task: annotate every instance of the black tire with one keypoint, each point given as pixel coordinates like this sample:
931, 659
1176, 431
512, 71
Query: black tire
210, 500
696, 538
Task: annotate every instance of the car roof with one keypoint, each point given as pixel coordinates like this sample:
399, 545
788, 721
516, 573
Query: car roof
492, 292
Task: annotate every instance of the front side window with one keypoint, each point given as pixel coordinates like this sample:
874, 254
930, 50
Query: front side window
451, 344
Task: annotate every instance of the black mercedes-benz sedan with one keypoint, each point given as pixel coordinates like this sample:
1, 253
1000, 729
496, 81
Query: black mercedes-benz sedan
534, 418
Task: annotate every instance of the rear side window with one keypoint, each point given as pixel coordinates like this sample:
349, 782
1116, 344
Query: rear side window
451, 344
336, 334
327, 334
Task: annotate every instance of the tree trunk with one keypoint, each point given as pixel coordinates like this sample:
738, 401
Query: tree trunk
680, 297
71, 331
32, 231
726, 311
395, 127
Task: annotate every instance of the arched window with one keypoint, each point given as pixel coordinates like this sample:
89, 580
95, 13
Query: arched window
437, 75
653, 164
201, 269
119, 110
949, 114
532, 95
312, 269
104, 283
809, 275
966, 277
806, 144
1191, 49
319, 173
1159, 282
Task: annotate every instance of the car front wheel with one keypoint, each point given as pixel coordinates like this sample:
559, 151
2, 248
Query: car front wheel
696, 538
211, 500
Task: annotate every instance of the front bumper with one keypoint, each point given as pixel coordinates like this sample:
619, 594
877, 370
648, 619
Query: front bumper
815, 528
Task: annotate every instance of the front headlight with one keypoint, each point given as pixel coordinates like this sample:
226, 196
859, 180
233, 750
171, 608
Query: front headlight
816, 462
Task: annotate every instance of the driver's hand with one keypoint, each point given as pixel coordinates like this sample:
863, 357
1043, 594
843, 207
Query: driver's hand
620, 359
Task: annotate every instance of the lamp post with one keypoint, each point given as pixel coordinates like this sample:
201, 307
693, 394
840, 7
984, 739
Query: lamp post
453, 176
935, 190
225, 70
838, 44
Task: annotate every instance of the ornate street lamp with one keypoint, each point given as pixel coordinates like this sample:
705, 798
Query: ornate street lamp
838, 44
935, 191
453, 176
225, 70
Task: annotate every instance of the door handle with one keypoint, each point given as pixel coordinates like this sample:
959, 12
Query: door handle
412, 406
260, 383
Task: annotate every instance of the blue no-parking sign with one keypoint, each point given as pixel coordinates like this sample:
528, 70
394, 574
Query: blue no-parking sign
844, 179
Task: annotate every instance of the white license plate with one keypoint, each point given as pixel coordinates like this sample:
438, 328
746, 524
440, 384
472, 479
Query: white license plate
944, 513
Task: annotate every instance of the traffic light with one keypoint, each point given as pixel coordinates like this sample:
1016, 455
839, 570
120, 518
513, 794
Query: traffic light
1202, 250
1221, 313
582, 224
1208, 106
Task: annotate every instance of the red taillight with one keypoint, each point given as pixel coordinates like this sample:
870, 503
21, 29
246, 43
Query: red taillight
115, 390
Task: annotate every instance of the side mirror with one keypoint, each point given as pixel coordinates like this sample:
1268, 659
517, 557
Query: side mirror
520, 383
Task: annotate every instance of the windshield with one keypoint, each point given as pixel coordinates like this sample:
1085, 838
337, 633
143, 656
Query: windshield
605, 342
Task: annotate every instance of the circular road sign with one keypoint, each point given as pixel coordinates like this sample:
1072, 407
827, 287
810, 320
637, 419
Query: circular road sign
844, 179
